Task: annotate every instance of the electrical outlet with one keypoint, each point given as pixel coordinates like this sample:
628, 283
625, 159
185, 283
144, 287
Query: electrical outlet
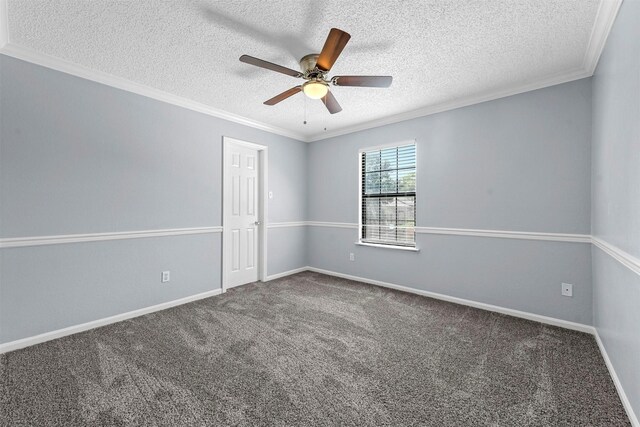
567, 289
271, 194
166, 276
352, 256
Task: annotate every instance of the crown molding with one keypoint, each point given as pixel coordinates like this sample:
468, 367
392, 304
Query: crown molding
606, 15
466, 101
38, 58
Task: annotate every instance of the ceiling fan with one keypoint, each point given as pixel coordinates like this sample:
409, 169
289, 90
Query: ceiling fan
314, 70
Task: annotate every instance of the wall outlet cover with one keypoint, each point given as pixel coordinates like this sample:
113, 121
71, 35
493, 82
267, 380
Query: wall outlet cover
166, 276
567, 289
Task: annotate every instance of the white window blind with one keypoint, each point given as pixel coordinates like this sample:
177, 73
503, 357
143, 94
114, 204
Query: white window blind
388, 196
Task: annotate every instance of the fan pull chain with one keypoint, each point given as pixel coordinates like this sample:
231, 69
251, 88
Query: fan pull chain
305, 111
324, 122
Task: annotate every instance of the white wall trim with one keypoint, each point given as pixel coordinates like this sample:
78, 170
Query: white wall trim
287, 224
17, 242
401, 143
624, 258
286, 273
48, 336
603, 22
333, 224
38, 58
29, 55
516, 313
618, 254
616, 381
388, 246
4, 24
508, 311
606, 15
488, 307
504, 234
25, 342
564, 77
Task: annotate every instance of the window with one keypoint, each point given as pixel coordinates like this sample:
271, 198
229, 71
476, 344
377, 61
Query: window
388, 195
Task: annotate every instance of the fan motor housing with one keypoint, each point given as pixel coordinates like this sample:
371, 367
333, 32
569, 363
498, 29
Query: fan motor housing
308, 64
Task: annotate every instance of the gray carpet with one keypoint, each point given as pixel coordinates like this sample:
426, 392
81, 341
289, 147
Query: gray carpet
312, 350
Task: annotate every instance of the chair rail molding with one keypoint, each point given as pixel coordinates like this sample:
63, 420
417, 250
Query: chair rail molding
506, 234
624, 258
17, 242
503, 234
286, 224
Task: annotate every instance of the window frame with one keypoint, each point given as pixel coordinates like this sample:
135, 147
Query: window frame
361, 240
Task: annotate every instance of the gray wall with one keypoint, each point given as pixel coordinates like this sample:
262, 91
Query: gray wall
79, 157
616, 196
520, 163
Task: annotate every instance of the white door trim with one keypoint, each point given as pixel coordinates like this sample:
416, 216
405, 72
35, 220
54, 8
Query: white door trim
263, 152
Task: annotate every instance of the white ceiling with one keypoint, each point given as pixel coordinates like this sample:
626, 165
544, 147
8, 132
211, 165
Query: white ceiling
440, 53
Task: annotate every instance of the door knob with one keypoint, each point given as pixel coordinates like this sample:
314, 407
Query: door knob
257, 223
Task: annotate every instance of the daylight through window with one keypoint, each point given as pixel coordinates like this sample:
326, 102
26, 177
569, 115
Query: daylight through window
388, 196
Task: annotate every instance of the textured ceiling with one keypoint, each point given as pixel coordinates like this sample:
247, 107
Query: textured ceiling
436, 51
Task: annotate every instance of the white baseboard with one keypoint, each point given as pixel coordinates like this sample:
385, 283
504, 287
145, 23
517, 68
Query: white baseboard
516, 313
511, 312
287, 273
616, 381
48, 336
25, 342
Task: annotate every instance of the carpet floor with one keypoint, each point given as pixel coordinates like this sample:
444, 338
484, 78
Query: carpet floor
313, 350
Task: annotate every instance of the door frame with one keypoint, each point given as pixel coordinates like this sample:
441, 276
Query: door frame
263, 156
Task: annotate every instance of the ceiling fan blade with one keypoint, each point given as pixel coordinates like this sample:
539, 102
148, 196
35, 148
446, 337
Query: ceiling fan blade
284, 95
336, 41
363, 81
331, 103
269, 66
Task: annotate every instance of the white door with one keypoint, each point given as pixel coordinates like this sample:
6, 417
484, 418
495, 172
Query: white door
241, 214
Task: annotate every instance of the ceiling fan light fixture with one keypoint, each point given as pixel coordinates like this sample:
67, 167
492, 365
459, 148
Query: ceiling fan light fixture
315, 67
315, 89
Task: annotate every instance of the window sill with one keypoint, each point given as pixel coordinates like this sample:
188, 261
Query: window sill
401, 248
